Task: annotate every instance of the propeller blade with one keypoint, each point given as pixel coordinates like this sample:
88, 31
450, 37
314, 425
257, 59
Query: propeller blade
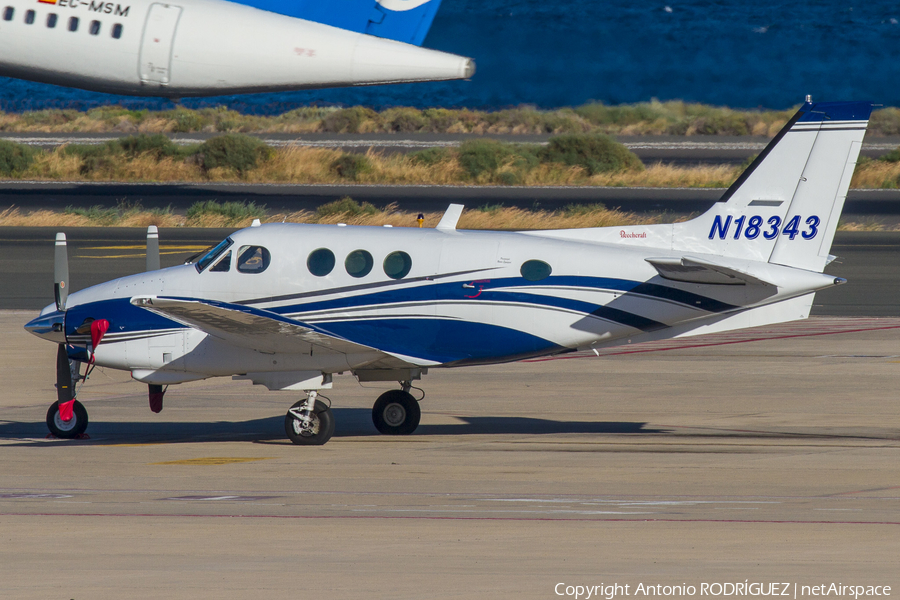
65, 389
152, 248
61, 272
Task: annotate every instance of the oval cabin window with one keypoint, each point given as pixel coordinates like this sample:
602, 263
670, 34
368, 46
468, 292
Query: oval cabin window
320, 262
397, 265
359, 263
535, 270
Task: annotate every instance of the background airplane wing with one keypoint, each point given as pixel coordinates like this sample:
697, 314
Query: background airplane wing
257, 329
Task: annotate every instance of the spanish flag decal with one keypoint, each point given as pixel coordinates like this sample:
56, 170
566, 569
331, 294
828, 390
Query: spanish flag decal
47, 1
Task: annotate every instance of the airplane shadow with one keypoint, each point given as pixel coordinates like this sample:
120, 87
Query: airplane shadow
350, 422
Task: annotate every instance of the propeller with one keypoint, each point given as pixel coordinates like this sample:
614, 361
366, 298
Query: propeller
152, 248
61, 273
65, 386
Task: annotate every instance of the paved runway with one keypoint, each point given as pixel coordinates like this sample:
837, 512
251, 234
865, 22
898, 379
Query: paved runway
766, 456
870, 261
278, 198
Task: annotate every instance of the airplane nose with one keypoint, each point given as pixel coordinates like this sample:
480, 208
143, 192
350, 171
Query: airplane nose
51, 326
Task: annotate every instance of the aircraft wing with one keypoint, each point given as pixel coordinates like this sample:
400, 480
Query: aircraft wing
254, 328
697, 270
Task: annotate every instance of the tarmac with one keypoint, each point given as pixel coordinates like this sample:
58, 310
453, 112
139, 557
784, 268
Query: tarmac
765, 456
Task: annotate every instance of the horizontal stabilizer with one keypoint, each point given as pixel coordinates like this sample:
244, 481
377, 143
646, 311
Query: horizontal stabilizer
698, 270
247, 327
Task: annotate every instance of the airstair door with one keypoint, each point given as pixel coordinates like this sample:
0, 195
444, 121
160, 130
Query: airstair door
156, 45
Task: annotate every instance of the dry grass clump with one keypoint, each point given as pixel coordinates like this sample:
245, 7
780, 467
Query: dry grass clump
296, 164
662, 175
867, 224
346, 210
876, 174
645, 118
16, 217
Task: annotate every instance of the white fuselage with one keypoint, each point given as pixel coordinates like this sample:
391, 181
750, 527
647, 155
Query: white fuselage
199, 48
464, 301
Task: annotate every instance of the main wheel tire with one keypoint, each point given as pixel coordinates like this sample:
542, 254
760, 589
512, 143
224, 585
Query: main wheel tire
396, 413
321, 430
67, 429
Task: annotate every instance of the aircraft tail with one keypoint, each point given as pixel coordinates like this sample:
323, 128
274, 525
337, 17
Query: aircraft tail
784, 209
401, 20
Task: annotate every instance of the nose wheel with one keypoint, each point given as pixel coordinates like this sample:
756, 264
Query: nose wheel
72, 428
307, 427
396, 413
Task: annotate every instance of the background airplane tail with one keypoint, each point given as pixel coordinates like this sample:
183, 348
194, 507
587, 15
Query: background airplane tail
401, 20
785, 207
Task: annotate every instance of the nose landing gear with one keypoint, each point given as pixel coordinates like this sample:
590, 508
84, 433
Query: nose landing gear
72, 428
309, 422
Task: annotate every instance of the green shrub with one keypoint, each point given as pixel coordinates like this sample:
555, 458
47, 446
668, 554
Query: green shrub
100, 215
346, 206
723, 123
348, 120
94, 157
439, 120
51, 117
185, 120
403, 120
629, 114
351, 166
158, 145
508, 178
115, 113
234, 151
431, 156
483, 156
892, 156
885, 121
488, 156
594, 152
232, 210
15, 158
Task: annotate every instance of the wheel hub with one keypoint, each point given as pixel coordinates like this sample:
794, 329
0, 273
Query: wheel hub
306, 428
394, 414
65, 425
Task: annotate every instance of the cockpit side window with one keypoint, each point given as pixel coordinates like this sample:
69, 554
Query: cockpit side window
223, 266
253, 259
213, 254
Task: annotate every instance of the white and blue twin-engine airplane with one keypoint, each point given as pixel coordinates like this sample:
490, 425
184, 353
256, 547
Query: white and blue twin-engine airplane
289, 305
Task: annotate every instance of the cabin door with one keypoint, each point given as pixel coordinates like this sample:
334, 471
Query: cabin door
156, 45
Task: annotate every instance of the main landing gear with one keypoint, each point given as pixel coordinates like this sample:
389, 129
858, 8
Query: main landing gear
310, 422
396, 412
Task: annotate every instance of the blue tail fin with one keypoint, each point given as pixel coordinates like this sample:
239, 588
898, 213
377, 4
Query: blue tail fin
402, 20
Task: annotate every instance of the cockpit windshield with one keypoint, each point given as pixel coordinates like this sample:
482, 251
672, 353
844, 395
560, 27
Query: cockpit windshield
213, 254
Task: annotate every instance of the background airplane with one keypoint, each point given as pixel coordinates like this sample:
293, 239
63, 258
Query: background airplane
288, 305
213, 47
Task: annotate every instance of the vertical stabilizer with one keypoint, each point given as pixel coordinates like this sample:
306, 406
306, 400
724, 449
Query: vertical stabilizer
785, 207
